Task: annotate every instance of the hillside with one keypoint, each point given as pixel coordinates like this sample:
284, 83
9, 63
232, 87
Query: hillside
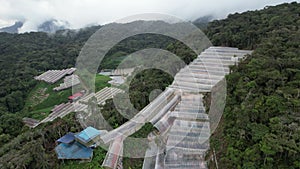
23, 56
261, 123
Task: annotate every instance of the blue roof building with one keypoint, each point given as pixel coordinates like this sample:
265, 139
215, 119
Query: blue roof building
73, 151
77, 146
87, 135
67, 139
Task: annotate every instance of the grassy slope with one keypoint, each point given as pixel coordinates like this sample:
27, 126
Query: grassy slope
39, 107
42, 109
101, 81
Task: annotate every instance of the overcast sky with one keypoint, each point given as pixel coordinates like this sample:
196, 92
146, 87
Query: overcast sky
80, 13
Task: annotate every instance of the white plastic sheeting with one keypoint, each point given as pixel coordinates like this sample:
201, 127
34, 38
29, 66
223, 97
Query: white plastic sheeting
114, 153
208, 69
63, 110
181, 120
145, 115
52, 76
69, 81
189, 134
102, 95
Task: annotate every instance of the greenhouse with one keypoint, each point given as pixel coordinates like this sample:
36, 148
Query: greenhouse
145, 115
52, 76
69, 81
102, 95
179, 115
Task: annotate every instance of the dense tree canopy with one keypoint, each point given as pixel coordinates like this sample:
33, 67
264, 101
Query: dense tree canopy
261, 122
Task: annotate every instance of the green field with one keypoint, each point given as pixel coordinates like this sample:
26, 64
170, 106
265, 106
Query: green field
101, 81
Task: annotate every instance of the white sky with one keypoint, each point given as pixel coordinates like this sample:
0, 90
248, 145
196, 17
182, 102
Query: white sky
80, 13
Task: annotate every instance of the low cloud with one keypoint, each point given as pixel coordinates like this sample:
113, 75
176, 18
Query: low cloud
82, 13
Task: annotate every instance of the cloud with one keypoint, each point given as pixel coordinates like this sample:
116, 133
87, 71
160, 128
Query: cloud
80, 13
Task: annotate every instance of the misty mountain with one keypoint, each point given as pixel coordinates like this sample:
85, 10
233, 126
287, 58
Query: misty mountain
51, 26
12, 29
203, 21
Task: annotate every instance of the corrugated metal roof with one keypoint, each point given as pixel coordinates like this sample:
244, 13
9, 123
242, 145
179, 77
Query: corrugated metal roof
68, 138
73, 151
76, 95
87, 134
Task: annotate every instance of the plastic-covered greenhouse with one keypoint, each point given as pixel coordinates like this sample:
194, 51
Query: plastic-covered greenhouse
52, 76
179, 115
145, 115
102, 95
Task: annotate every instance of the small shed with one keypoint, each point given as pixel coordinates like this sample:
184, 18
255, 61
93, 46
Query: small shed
75, 96
87, 136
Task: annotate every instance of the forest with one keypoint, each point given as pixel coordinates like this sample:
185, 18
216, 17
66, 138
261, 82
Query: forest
260, 125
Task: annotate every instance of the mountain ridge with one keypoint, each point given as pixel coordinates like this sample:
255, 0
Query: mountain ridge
13, 28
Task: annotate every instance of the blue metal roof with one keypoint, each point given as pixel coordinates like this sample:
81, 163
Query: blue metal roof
73, 151
87, 134
68, 138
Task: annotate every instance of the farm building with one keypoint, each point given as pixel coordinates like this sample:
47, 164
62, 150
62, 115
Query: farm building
87, 136
73, 151
67, 139
77, 146
75, 96
52, 76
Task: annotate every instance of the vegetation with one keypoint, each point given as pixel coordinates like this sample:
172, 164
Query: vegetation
98, 157
143, 41
23, 56
46, 99
133, 163
260, 126
144, 131
136, 148
101, 81
144, 83
34, 148
112, 115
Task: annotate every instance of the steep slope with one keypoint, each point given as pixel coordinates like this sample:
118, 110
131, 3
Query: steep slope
23, 56
260, 126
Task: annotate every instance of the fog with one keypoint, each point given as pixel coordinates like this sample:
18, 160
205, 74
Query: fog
79, 13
